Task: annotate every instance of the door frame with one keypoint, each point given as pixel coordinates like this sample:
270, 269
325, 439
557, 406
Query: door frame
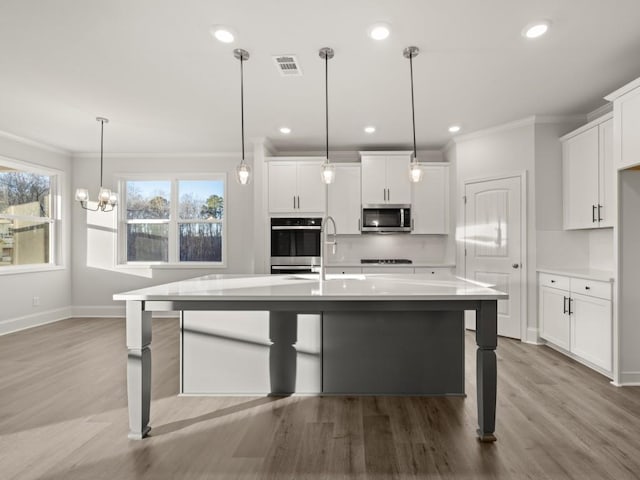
524, 252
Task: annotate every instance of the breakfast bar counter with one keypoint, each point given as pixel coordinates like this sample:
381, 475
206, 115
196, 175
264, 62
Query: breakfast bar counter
339, 298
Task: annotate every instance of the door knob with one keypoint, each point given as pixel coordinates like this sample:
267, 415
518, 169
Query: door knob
516, 265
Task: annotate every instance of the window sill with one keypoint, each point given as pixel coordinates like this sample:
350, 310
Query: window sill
30, 269
170, 266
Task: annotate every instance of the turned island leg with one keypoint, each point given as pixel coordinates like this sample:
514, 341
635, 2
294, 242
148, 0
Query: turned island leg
138, 369
486, 368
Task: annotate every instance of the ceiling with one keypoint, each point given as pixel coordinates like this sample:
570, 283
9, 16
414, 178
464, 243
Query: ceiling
152, 68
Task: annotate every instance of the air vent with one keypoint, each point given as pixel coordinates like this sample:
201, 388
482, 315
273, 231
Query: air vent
288, 65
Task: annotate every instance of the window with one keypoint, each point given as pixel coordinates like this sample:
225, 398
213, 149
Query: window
174, 220
27, 216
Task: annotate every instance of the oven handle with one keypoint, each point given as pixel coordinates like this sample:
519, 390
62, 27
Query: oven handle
299, 227
292, 267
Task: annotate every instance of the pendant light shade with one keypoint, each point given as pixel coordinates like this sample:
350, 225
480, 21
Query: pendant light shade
416, 172
106, 198
243, 171
328, 171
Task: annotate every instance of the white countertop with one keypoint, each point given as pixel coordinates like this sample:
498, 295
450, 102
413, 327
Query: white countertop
309, 287
586, 273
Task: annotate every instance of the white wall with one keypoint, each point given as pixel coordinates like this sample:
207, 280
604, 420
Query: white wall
533, 147
53, 287
96, 276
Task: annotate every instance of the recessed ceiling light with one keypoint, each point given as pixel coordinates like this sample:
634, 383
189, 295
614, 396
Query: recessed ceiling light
536, 29
454, 128
369, 129
285, 130
222, 33
379, 31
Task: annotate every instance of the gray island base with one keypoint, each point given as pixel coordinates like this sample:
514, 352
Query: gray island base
339, 299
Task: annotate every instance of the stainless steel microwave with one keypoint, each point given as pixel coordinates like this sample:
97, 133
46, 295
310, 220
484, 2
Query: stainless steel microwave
386, 218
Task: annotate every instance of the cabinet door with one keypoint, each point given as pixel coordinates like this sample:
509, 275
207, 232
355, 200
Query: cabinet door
344, 199
591, 330
607, 203
554, 322
398, 184
282, 187
430, 201
374, 181
580, 179
628, 112
311, 190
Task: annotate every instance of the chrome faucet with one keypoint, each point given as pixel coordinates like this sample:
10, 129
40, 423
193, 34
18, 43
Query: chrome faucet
324, 236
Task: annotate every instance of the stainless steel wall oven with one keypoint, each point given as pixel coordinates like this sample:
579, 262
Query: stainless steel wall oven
295, 244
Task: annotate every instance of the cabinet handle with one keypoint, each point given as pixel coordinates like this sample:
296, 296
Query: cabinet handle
298, 202
553, 281
359, 225
413, 224
570, 300
593, 214
587, 287
564, 304
599, 216
389, 194
384, 192
294, 202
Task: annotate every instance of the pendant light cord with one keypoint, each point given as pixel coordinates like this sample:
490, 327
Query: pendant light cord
413, 110
326, 102
242, 104
101, 148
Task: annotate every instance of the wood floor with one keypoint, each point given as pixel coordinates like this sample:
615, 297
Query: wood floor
63, 416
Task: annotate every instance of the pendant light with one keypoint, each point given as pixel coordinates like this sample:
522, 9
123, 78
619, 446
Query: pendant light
106, 198
328, 172
415, 169
243, 171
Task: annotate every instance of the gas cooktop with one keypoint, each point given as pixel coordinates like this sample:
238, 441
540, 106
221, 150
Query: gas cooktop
390, 261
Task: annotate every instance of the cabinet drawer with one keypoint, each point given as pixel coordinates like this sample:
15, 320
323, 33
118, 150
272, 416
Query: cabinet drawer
343, 270
435, 272
554, 281
592, 288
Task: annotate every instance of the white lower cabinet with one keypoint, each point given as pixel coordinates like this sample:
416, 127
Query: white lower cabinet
591, 329
383, 269
555, 323
576, 315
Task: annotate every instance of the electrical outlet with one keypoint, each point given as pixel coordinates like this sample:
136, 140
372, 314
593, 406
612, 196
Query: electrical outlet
36, 301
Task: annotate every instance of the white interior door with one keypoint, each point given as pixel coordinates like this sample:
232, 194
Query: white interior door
493, 226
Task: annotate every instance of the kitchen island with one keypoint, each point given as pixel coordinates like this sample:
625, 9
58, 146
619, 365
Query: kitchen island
340, 296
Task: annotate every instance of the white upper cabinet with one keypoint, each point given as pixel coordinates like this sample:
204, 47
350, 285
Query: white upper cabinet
295, 187
606, 176
587, 171
385, 177
626, 116
430, 200
344, 199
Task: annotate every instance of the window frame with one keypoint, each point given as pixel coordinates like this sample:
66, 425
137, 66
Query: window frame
56, 187
173, 247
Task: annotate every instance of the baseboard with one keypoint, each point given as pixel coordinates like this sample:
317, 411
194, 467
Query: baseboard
34, 320
628, 379
110, 311
533, 337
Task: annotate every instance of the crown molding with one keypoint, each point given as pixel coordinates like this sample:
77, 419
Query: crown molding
523, 122
33, 143
600, 111
148, 155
